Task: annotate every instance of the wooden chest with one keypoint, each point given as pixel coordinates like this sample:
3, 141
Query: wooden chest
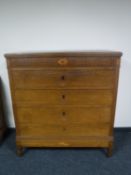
64, 99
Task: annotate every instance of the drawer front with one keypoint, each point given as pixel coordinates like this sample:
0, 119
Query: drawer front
66, 78
63, 61
64, 97
41, 131
63, 115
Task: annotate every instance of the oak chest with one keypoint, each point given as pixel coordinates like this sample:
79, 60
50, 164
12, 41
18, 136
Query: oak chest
64, 99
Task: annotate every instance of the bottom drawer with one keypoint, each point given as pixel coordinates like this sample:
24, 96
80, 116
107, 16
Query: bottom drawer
50, 131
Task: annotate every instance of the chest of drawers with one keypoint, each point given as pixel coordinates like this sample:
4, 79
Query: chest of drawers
64, 99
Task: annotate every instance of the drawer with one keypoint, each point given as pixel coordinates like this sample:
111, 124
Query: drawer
63, 78
61, 61
51, 131
64, 97
63, 114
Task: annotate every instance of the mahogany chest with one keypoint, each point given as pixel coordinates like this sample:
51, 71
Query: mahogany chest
64, 99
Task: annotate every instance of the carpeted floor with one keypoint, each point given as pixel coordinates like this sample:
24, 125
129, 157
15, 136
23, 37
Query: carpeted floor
67, 161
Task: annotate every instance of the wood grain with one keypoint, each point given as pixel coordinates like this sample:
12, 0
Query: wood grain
63, 78
63, 115
64, 97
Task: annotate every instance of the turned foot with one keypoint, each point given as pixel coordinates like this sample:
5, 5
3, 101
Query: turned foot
20, 150
110, 150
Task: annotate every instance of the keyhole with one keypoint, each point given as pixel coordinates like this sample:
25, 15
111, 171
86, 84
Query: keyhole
63, 96
64, 129
63, 77
63, 113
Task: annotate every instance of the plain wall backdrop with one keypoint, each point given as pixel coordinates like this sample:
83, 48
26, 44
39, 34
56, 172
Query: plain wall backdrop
64, 25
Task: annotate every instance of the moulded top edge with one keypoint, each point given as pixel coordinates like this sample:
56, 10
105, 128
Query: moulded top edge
71, 53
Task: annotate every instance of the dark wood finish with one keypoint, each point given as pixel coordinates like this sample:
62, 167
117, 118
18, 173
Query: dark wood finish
64, 99
2, 119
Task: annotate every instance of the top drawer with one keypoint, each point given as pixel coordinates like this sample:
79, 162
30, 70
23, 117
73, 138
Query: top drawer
62, 61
